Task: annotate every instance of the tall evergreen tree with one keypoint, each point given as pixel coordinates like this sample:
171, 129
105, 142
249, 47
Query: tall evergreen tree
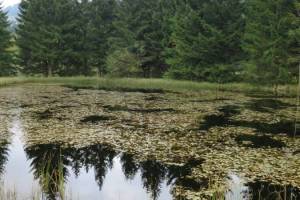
196, 39
6, 67
268, 39
103, 14
139, 29
294, 39
207, 39
45, 36
76, 46
38, 36
169, 10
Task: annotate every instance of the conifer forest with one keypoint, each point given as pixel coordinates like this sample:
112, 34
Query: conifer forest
149, 99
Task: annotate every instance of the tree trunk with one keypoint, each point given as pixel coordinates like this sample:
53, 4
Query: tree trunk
49, 74
276, 90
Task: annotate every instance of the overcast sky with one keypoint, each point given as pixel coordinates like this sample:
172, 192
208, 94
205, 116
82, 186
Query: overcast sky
6, 3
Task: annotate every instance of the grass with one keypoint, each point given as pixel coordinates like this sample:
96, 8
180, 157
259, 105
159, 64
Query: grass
132, 84
13, 194
11, 81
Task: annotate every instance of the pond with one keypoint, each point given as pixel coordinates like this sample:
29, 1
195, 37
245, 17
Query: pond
60, 143
94, 172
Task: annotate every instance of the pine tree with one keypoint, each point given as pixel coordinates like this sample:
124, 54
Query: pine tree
75, 44
6, 58
139, 29
84, 42
206, 39
268, 40
294, 39
149, 38
169, 8
45, 36
100, 30
38, 36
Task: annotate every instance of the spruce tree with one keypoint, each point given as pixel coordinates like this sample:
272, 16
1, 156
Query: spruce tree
75, 44
169, 10
38, 36
45, 36
206, 38
267, 40
139, 29
294, 40
6, 58
103, 14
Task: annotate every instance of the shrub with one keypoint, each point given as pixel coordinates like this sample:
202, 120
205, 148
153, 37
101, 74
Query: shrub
122, 63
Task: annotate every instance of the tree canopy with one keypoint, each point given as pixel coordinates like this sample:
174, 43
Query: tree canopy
6, 57
200, 40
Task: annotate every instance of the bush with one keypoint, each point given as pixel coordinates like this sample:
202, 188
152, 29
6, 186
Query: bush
122, 63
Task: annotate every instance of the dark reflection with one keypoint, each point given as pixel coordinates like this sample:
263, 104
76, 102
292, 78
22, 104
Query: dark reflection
4, 150
224, 119
44, 114
120, 89
153, 175
268, 191
283, 126
96, 118
176, 171
267, 105
266, 95
154, 98
178, 175
50, 164
258, 141
101, 158
130, 168
296, 152
221, 119
139, 110
209, 100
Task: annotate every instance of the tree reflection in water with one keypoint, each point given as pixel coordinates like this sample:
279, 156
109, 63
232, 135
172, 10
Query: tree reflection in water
130, 168
50, 164
4, 150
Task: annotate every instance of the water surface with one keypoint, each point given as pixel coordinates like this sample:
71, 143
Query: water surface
95, 144
95, 172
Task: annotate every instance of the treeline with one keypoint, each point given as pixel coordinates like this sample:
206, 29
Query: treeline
201, 40
6, 57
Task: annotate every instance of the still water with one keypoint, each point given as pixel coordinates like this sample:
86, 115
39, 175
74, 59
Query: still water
100, 172
95, 172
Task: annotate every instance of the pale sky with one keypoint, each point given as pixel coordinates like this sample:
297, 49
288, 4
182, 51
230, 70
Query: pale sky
6, 3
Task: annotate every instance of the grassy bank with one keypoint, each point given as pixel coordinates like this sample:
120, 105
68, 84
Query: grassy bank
131, 84
11, 81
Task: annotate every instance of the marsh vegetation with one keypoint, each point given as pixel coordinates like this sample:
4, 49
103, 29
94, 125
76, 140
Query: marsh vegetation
159, 145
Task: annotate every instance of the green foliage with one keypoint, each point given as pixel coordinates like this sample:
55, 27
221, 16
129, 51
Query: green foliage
43, 46
6, 57
122, 63
294, 38
201, 40
139, 29
206, 34
102, 16
137, 84
270, 34
64, 37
